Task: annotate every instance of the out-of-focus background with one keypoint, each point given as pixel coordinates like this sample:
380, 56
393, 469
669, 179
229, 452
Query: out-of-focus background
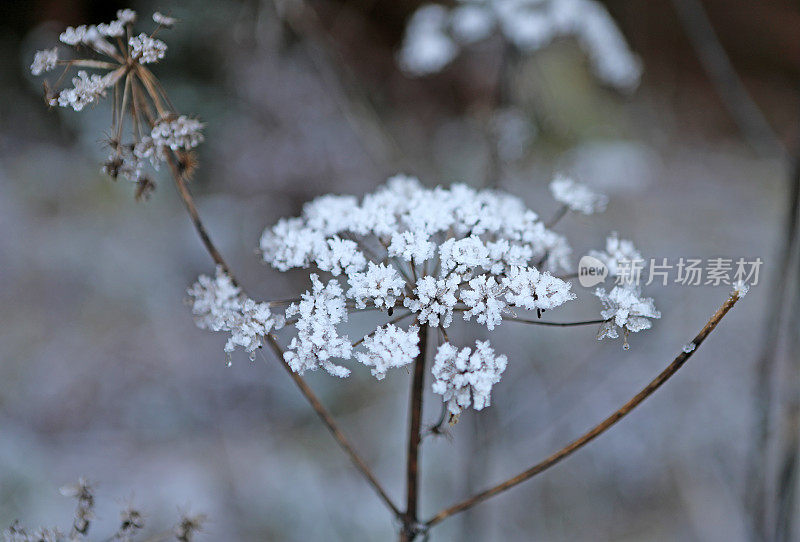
103, 373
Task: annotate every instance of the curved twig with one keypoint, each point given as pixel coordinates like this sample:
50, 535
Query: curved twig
333, 427
599, 429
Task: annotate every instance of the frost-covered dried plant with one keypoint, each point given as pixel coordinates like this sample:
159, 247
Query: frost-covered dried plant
435, 34
428, 255
131, 522
419, 259
111, 59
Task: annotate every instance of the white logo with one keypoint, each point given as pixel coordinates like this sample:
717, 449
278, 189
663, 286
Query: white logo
591, 271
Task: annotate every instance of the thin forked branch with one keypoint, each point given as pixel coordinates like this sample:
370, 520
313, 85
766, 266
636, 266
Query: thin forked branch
596, 431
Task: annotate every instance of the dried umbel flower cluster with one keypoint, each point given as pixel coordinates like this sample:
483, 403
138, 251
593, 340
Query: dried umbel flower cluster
417, 258
117, 66
436, 33
131, 522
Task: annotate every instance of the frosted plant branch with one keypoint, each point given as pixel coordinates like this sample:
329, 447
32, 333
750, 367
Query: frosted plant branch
600, 428
333, 427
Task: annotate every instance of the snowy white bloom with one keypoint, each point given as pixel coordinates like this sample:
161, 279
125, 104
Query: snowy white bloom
86, 90
528, 24
434, 300
44, 61
318, 341
164, 20
146, 49
434, 252
465, 377
339, 256
427, 48
143, 140
618, 255
73, 36
625, 308
113, 29
126, 16
219, 305
530, 289
577, 197
412, 246
389, 347
688, 348
379, 285
484, 300
471, 22
463, 254
178, 133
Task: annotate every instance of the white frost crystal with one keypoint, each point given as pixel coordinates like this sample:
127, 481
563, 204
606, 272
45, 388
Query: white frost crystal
318, 341
178, 133
219, 305
389, 347
484, 299
465, 377
86, 90
625, 308
530, 289
427, 48
44, 61
618, 255
146, 49
577, 197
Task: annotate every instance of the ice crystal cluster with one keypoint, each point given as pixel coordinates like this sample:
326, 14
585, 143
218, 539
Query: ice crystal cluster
111, 60
416, 258
435, 34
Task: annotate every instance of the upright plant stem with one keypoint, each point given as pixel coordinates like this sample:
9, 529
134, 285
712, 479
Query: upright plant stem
410, 520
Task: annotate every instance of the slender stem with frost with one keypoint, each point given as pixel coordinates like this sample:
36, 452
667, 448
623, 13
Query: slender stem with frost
599, 429
188, 202
333, 427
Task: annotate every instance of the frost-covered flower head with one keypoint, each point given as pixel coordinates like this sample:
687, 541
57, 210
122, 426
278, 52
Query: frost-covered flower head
435, 34
577, 197
625, 308
113, 61
414, 258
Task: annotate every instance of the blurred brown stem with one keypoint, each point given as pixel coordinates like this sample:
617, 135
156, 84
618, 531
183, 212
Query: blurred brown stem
599, 429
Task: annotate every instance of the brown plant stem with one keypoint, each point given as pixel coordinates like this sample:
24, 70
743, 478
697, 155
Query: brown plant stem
333, 427
410, 523
599, 429
188, 202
